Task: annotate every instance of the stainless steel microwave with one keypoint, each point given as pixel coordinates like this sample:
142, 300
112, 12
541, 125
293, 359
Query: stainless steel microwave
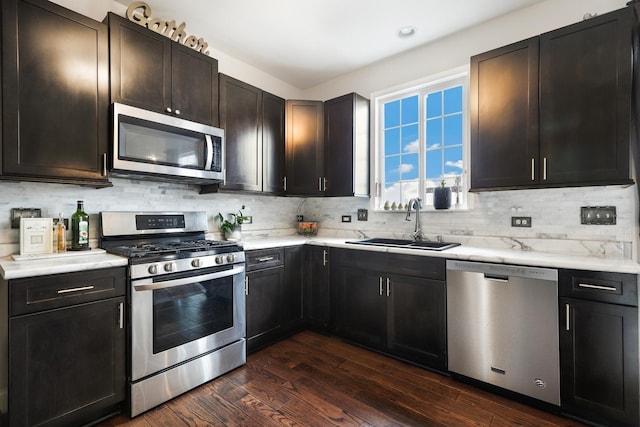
162, 147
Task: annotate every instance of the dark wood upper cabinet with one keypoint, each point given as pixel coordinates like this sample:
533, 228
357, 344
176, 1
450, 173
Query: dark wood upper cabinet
253, 121
504, 116
55, 94
346, 133
273, 147
554, 110
153, 72
304, 147
585, 100
328, 147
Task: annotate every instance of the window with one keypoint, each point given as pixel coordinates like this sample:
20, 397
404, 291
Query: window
422, 141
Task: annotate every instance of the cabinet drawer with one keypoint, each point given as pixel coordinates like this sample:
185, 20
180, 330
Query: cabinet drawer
47, 292
264, 258
615, 288
418, 266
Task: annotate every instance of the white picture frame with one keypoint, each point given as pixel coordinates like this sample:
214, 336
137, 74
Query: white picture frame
36, 236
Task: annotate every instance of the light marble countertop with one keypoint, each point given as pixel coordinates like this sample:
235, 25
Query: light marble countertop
10, 269
469, 253
71, 262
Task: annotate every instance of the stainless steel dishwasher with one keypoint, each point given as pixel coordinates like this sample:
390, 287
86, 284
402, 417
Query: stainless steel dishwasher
502, 327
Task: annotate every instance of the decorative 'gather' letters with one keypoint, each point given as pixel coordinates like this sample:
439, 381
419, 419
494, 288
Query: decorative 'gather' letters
140, 12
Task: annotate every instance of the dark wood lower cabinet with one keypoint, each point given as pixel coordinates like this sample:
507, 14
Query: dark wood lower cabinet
264, 305
273, 294
599, 362
393, 303
66, 348
599, 347
316, 300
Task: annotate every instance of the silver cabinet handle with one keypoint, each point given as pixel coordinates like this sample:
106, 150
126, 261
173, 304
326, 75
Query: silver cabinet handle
544, 169
265, 259
121, 315
319, 183
566, 309
599, 287
246, 285
380, 285
104, 164
324, 184
533, 169
388, 286
79, 289
285, 183
324, 257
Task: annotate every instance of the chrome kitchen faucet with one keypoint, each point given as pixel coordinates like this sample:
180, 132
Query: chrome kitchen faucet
415, 204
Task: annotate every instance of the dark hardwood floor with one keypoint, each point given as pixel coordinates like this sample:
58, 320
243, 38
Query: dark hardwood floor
315, 380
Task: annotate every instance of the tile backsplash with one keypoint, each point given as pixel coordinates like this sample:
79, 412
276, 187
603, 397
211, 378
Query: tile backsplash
555, 214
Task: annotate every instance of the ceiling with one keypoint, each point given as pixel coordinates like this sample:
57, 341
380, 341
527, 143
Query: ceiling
308, 42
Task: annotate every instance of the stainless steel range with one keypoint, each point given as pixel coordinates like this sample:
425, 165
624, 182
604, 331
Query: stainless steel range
185, 298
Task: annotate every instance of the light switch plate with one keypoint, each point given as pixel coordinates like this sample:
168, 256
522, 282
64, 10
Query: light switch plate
598, 215
346, 218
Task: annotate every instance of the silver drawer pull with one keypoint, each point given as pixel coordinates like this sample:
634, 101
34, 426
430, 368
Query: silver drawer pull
81, 288
599, 287
265, 259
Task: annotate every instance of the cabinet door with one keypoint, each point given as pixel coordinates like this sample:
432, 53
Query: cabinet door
240, 117
346, 121
585, 99
416, 320
273, 163
67, 365
305, 147
140, 65
264, 305
194, 85
599, 361
293, 280
316, 287
55, 93
360, 305
504, 116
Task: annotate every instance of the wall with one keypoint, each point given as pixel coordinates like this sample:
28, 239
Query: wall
271, 215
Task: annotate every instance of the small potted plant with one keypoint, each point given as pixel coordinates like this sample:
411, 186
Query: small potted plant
232, 226
442, 196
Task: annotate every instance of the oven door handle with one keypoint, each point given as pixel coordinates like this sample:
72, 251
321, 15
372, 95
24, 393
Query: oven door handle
150, 285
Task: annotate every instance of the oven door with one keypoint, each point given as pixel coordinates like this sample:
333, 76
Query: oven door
177, 317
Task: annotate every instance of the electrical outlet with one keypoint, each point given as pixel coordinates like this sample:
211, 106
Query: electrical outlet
17, 213
521, 221
299, 218
346, 218
363, 214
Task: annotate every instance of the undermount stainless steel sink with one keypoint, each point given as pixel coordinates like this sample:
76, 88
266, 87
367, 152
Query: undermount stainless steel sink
405, 243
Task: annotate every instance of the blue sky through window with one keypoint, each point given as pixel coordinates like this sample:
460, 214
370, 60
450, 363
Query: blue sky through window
440, 146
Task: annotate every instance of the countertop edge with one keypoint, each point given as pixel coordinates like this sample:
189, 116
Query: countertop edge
10, 269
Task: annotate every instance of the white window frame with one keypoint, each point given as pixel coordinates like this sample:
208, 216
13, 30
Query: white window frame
443, 80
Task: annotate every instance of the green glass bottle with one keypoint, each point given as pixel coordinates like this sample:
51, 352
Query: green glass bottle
80, 228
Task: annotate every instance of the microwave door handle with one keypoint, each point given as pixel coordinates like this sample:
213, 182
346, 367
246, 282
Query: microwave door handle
209, 143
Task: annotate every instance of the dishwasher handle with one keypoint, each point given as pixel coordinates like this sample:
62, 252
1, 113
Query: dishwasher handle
496, 278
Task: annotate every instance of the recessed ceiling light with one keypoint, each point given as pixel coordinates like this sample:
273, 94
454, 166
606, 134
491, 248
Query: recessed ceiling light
406, 31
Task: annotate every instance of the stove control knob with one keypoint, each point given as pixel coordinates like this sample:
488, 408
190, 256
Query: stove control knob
197, 262
168, 267
231, 258
153, 269
219, 259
